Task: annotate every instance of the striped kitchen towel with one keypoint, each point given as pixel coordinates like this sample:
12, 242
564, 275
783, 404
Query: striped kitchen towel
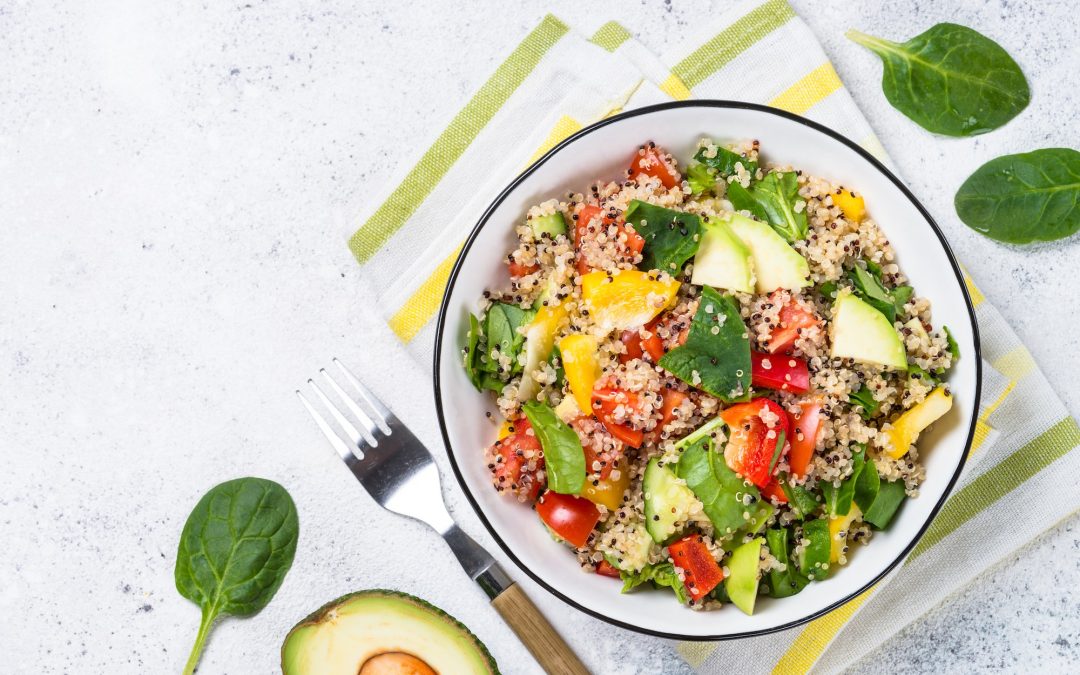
554, 83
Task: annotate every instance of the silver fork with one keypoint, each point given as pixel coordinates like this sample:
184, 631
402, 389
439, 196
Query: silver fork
399, 472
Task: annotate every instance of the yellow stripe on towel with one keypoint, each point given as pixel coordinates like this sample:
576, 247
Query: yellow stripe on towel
675, 88
809, 91
812, 641
424, 302
561, 131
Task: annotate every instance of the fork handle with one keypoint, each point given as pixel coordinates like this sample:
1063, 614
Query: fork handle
536, 633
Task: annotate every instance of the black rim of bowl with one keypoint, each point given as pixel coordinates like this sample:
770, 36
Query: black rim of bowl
705, 103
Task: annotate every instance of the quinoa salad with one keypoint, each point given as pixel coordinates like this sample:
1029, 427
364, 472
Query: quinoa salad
711, 379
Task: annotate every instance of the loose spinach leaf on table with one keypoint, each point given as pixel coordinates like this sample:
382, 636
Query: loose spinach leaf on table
235, 549
720, 360
772, 199
1018, 199
724, 161
671, 237
950, 79
564, 458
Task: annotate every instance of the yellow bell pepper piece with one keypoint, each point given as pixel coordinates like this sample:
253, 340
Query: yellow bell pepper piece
851, 204
837, 525
504, 429
906, 429
609, 491
627, 299
581, 367
539, 343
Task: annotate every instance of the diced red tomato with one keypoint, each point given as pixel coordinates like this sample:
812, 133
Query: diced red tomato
633, 241
668, 320
636, 346
780, 372
518, 270
570, 517
750, 447
774, 492
793, 318
652, 161
673, 398
586, 428
700, 570
605, 401
510, 470
807, 426
606, 569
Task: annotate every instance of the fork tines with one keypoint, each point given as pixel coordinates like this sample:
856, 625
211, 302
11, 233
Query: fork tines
373, 417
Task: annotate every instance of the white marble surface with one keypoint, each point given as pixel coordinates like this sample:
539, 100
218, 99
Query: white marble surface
176, 184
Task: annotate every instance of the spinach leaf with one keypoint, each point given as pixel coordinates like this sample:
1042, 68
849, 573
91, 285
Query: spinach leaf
829, 289
719, 489
954, 348
864, 398
660, 574
503, 321
888, 500
838, 498
873, 292
950, 79
790, 581
724, 161
867, 486
234, 551
671, 237
901, 296
720, 360
1018, 199
915, 372
802, 501
773, 199
700, 178
564, 458
472, 352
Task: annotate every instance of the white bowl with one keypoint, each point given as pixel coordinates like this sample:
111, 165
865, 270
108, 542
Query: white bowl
603, 151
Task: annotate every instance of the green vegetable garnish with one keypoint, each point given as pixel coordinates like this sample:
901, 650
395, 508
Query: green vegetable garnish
789, 581
776, 451
773, 200
954, 348
699, 178
1018, 199
724, 161
717, 363
671, 237
661, 574
838, 498
564, 458
888, 500
864, 398
719, 489
802, 501
235, 549
950, 79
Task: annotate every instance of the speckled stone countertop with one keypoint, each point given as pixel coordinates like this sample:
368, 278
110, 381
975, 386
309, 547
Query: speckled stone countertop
176, 184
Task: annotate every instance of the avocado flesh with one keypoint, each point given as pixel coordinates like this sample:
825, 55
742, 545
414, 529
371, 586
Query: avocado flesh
369, 627
742, 584
722, 260
861, 333
667, 501
776, 264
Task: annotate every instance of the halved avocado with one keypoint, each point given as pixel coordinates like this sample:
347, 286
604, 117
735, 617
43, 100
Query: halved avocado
861, 333
776, 263
380, 632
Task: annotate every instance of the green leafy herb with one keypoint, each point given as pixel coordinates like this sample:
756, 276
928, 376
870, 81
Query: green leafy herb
472, 352
870, 286
814, 558
954, 348
838, 498
662, 574
724, 161
564, 458
802, 501
700, 178
776, 451
950, 79
717, 363
864, 398
720, 490
1018, 199
917, 373
829, 289
901, 296
888, 500
789, 581
235, 549
867, 486
671, 237
503, 321
773, 200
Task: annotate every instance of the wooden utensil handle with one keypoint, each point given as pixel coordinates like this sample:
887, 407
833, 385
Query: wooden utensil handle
539, 637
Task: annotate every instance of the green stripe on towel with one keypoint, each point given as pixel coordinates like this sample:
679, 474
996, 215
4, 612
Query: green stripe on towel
610, 36
732, 41
1008, 475
453, 141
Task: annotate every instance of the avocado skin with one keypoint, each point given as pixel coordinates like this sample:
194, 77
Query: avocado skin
318, 615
